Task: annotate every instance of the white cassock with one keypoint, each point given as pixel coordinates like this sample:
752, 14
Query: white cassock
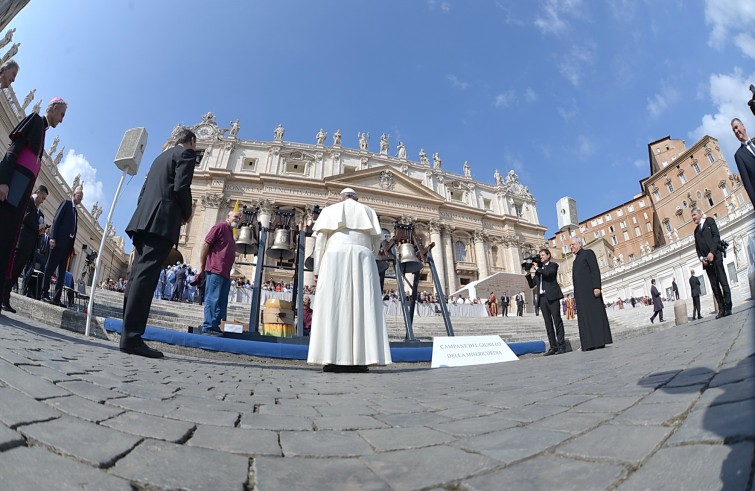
348, 323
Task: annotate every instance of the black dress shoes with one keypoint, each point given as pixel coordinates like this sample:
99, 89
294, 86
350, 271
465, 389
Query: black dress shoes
142, 350
8, 308
345, 368
550, 352
720, 314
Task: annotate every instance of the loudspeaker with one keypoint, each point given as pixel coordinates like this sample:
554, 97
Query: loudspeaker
130, 152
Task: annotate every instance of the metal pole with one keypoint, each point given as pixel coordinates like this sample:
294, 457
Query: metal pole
402, 296
254, 312
299, 284
90, 307
441, 296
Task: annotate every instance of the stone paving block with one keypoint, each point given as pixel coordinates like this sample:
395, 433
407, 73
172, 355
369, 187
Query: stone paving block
149, 426
714, 424
35, 468
687, 394
276, 474
616, 442
82, 440
732, 392
323, 444
167, 465
91, 391
652, 414
692, 376
695, 467
12, 357
407, 420
47, 373
348, 423
9, 439
345, 410
533, 412
512, 444
146, 406
108, 380
27, 383
540, 474
17, 409
275, 423
404, 438
236, 440
410, 469
288, 410
572, 422
84, 408
476, 426
606, 404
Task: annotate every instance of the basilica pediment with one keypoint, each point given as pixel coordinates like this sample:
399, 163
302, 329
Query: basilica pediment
383, 180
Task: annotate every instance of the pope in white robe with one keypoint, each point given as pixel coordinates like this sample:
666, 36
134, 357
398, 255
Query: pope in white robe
348, 322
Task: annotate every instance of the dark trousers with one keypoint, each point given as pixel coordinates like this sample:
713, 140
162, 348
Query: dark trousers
520, 309
696, 306
720, 285
178, 291
505, 309
150, 252
10, 223
552, 318
56, 263
658, 313
24, 254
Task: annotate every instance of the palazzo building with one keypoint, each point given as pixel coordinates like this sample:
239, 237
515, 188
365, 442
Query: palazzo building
478, 228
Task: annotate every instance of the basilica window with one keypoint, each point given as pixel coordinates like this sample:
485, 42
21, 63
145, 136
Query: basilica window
295, 167
461, 251
249, 165
486, 203
494, 256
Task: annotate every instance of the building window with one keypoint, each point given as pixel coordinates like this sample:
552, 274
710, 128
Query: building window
711, 159
645, 215
696, 167
740, 199
608, 216
630, 208
631, 257
724, 190
597, 234
295, 167
619, 213
610, 229
582, 228
461, 251
603, 233
670, 187
593, 223
634, 220
486, 202
667, 225
614, 240
459, 196
600, 221
682, 178
637, 231
494, 256
649, 226
710, 199
699, 195
249, 165
602, 262
665, 163
657, 195
623, 224
199, 156
626, 235
642, 203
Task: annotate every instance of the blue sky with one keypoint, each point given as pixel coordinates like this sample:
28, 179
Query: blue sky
567, 93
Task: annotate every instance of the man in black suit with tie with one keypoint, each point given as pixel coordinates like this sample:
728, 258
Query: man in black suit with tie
62, 238
549, 294
745, 157
32, 226
708, 245
694, 288
164, 205
505, 304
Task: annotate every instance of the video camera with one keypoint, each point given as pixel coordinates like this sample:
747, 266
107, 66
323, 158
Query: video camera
530, 260
90, 257
722, 246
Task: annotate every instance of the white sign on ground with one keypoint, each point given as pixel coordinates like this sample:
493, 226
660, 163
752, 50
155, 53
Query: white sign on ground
460, 351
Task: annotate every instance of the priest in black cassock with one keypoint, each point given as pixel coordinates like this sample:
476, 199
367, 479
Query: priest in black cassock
18, 173
594, 329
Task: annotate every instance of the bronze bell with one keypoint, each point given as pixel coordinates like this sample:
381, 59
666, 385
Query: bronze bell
247, 242
282, 247
408, 258
309, 263
382, 265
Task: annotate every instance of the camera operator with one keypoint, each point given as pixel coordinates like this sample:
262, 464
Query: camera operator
711, 251
549, 295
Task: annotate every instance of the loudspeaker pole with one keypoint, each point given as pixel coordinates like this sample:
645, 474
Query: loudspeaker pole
127, 159
95, 276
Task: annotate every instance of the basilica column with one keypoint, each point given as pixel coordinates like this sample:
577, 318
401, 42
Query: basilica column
448, 252
438, 253
482, 258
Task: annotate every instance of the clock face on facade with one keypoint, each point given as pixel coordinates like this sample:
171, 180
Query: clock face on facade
204, 131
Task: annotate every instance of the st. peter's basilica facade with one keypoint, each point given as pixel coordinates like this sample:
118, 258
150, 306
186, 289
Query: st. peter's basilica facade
478, 228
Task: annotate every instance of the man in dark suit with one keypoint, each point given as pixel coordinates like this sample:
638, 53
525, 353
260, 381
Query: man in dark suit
32, 226
675, 288
708, 245
745, 157
178, 291
694, 288
505, 304
519, 304
549, 294
62, 238
657, 303
164, 205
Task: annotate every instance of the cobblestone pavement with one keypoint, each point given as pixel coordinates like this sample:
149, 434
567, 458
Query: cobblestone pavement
674, 409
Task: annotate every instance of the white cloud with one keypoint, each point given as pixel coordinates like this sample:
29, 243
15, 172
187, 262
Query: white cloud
456, 82
505, 99
585, 146
731, 19
76, 164
658, 104
574, 62
554, 15
640, 164
568, 111
530, 95
444, 6
730, 95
